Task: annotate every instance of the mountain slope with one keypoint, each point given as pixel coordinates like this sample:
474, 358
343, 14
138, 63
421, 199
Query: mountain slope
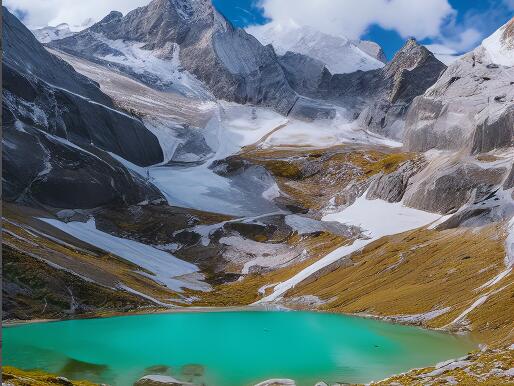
471, 105
379, 98
51, 115
90, 117
467, 116
232, 63
339, 54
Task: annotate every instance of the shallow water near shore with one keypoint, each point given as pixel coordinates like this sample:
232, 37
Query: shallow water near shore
229, 348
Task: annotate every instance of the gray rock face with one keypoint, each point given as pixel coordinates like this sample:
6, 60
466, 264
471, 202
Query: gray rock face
305, 74
42, 90
232, 63
448, 187
391, 187
378, 98
42, 169
51, 115
470, 107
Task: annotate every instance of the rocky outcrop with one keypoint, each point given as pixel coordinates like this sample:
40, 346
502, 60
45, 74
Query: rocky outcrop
44, 169
42, 90
379, 98
467, 112
470, 107
451, 185
391, 187
58, 128
232, 63
411, 72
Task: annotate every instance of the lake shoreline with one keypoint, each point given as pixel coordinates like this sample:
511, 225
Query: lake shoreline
249, 308
268, 328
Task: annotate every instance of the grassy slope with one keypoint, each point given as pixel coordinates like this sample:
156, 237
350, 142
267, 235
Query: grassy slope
16, 377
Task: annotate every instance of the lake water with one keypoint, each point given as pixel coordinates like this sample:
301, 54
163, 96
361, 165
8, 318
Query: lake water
227, 348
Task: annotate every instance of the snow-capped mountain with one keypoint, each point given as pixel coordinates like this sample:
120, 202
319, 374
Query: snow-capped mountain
231, 63
500, 45
340, 54
49, 33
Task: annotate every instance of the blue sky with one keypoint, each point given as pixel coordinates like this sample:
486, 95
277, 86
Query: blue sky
485, 16
456, 26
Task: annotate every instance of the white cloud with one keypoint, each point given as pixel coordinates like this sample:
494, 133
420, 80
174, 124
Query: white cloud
444, 53
39, 13
463, 41
418, 18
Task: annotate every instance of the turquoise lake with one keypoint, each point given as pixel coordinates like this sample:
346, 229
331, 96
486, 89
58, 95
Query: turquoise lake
231, 348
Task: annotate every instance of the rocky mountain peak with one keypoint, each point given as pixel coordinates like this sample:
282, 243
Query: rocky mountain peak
111, 19
192, 35
410, 66
508, 35
410, 56
182, 10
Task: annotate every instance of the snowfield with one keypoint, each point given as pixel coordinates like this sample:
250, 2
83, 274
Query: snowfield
500, 49
168, 72
377, 218
338, 53
324, 133
165, 267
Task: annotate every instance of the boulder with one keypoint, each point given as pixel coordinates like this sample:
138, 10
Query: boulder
277, 382
160, 380
391, 187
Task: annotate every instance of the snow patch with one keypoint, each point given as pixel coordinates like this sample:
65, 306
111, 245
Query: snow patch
168, 72
338, 53
324, 133
369, 215
165, 267
499, 50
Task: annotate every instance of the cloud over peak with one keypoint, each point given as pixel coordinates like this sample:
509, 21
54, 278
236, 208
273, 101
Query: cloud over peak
418, 18
40, 13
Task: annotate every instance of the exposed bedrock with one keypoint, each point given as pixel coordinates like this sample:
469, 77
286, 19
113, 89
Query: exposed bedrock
43, 90
451, 185
41, 169
470, 107
233, 64
391, 187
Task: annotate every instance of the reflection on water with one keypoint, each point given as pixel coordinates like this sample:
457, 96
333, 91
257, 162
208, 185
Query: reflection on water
75, 369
